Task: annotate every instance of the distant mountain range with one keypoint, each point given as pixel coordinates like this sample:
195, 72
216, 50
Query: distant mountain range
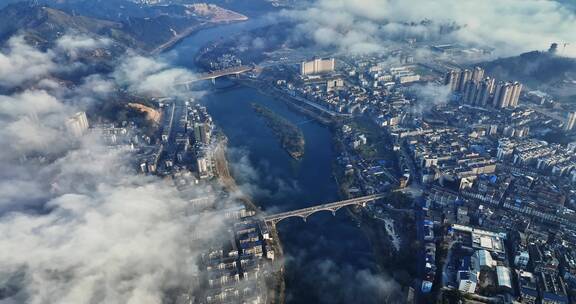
43, 25
532, 67
131, 25
539, 70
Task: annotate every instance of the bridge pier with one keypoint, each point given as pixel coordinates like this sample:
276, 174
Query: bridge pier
213, 80
331, 207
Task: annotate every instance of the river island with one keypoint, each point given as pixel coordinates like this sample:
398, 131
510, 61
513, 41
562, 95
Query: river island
291, 137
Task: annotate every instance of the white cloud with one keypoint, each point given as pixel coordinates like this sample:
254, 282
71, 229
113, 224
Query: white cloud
32, 121
509, 26
77, 225
147, 76
20, 63
429, 96
110, 237
29, 103
76, 43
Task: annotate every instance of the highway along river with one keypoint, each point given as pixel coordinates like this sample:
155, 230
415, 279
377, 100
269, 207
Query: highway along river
329, 260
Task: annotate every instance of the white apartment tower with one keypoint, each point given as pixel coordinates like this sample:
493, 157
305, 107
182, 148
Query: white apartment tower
452, 80
317, 66
77, 124
570, 122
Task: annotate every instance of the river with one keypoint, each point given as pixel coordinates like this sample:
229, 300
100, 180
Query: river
328, 258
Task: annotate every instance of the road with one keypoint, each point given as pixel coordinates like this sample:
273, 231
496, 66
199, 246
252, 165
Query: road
226, 179
185, 33
277, 292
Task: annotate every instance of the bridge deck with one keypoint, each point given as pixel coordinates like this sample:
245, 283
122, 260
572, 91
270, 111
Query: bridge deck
305, 212
219, 73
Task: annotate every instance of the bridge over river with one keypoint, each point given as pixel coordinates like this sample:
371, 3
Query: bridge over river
304, 213
212, 75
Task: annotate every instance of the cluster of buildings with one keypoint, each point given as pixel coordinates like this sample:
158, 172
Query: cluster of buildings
234, 268
478, 260
489, 188
370, 173
317, 66
428, 254
475, 89
447, 154
201, 133
235, 271
492, 189
520, 187
185, 142
551, 159
77, 124
224, 61
348, 90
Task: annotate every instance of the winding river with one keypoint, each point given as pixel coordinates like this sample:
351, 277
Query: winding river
328, 258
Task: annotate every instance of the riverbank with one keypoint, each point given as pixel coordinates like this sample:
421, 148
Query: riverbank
390, 229
390, 233
276, 287
391, 254
221, 20
266, 90
179, 37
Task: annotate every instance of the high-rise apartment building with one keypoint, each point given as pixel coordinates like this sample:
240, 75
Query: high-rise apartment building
475, 89
464, 77
507, 94
485, 90
570, 122
452, 80
516, 89
317, 66
477, 74
77, 124
470, 92
503, 94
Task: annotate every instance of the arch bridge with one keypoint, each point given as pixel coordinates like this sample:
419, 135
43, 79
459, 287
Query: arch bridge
218, 73
304, 213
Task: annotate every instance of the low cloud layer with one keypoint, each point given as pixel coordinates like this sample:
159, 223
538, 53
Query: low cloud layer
109, 237
510, 26
429, 95
20, 62
77, 225
77, 43
147, 76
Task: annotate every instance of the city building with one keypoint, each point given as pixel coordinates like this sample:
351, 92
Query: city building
552, 289
317, 66
570, 122
516, 90
452, 80
477, 74
507, 94
202, 132
465, 76
77, 124
502, 94
476, 89
485, 91
528, 287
